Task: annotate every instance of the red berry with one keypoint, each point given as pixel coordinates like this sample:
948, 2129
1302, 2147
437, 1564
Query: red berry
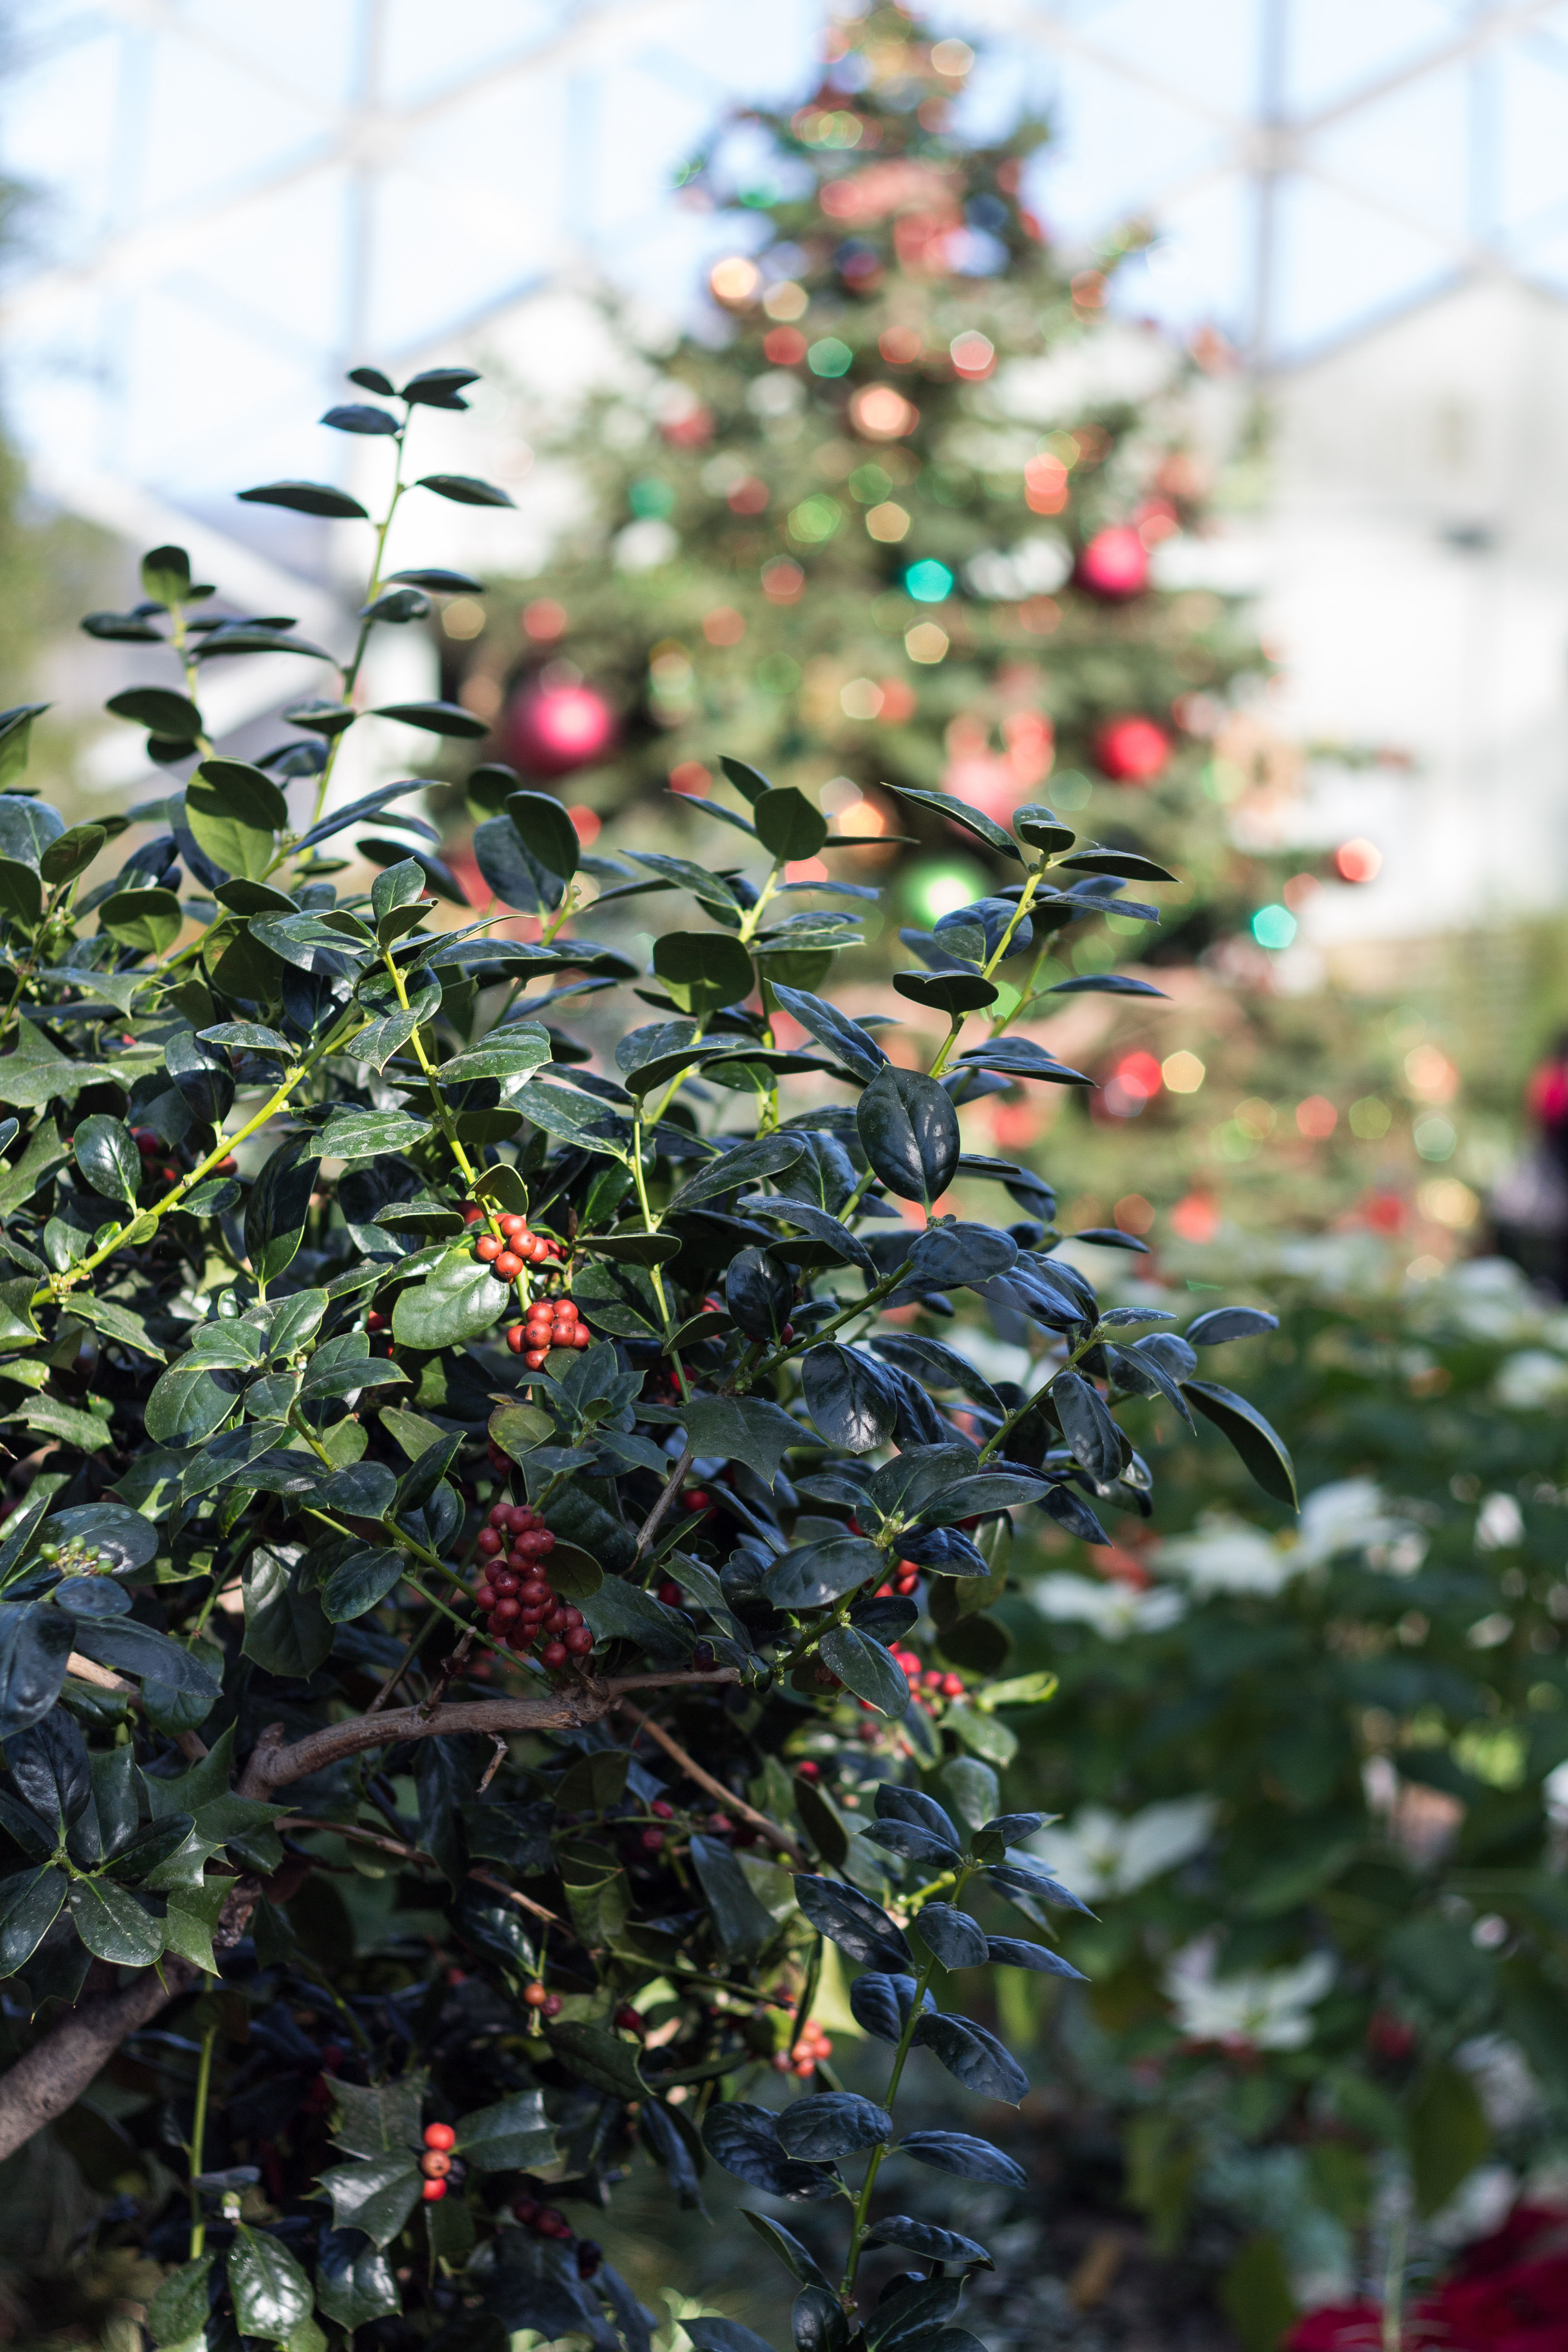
697, 1500
376, 1321
582, 1338
670, 1593
490, 1542
487, 1248
509, 1265
521, 1636
579, 1641
505, 1611
435, 2164
520, 1517
651, 1840
808, 1770
534, 1359
554, 1654
628, 2019
472, 1214
552, 2224
574, 1619
552, 2004
512, 1225
484, 1597
432, 2191
499, 1515
535, 1995
952, 1685
527, 2211
533, 1592
662, 1810
503, 1580
515, 1340
788, 1332
555, 1622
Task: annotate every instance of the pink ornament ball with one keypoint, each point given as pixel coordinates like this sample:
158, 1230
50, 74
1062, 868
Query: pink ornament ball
1114, 565
1132, 750
550, 730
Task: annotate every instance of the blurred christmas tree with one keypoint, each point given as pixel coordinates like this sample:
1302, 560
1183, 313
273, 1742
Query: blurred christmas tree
888, 517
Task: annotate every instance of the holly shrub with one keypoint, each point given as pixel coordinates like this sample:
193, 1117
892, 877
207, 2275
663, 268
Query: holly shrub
460, 1485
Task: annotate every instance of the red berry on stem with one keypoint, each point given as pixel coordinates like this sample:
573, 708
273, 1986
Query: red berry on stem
509, 1265
662, 1810
512, 1225
435, 2164
579, 1641
490, 1542
535, 1996
651, 1840
432, 2191
487, 1248
515, 1339
552, 2004
554, 1654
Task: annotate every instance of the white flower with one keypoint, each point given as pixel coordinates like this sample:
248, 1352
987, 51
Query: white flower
1099, 1852
644, 546
1499, 1523
1113, 1610
1348, 1514
1265, 2007
1228, 1554
1532, 1378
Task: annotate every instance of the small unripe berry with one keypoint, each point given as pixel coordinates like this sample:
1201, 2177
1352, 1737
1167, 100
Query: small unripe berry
651, 1840
552, 2004
535, 1996
435, 2164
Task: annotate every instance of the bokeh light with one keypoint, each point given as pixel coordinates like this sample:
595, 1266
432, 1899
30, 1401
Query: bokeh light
544, 620
925, 642
829, 357
880, 412
1358, 861
890, 522
972, 354
734, 279
928, 582
1316, 1118
936, 889
1274, 926
1182, 1072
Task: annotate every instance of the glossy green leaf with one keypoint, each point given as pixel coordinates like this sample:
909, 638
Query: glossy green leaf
271, 2291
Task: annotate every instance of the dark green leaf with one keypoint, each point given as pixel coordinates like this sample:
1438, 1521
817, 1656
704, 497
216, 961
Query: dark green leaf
515, 2135
33, 1903
360, 1583
1250, 1434
286, 1629
703, 971
744, 2139
178, 2312
967, 2157
35, 1639
946, 991
21, 891
787, 824
235, 812
160, 708
853, 1922
148, 920
307, 498
967, 820
279, 1204
353, 2279
865, 1667
465, 490
459, 1301
107, 1157
271, 2293
375, 2194
435, 717
743, 1429
815, 1574
832, 2124
958, 1941
134, 1648
113, 1925
599, 2058
740, 1922
909, 1129
852, 1402
745, 1164
1223, 1323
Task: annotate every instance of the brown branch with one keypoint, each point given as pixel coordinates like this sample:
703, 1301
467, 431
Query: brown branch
727, 1798
59, 2068
665, 1505
274, 1762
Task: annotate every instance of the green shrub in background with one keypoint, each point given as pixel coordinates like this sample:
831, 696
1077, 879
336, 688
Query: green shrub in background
392, 1398
1305, 1772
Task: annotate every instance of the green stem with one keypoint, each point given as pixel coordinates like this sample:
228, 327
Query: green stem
198, 2141
145, 1223
989, 967
373, 586
900, 2056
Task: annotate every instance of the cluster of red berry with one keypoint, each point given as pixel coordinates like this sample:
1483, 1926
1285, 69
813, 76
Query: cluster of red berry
926, 1683
549, 2221
810, 2047
517, 1248
152, 1147
906, 1579
550, 1323
514, 1593
436, 2163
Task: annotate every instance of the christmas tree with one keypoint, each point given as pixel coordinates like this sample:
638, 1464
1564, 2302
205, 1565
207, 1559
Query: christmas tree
886, 516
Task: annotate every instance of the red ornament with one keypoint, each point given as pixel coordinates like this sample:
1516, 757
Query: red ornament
1132, 750
1114, 565
552, 729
